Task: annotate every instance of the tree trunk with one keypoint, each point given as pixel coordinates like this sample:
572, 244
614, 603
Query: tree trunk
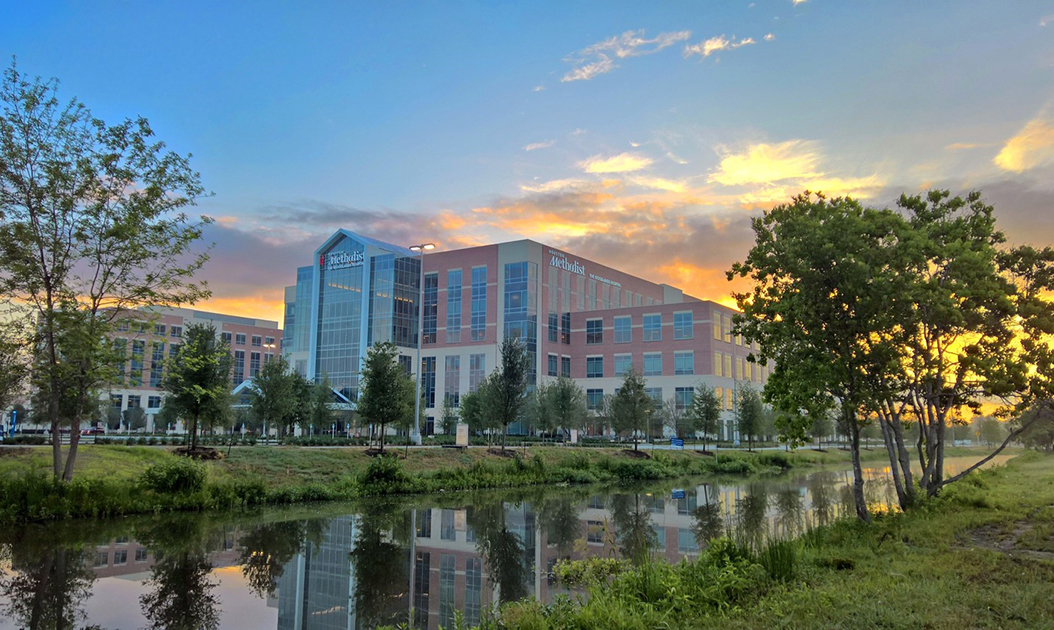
194, 434
504, 433
71, 456
380, 438
894, 464
858, 474
904, 456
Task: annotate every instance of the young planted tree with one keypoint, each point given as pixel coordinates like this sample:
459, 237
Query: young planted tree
750, 414
16, 343
273, 399
135, 418
386, 391
506, 396
448, 417
565, 404
821, 427
991, 431
704, 413
321, 414
632, 407
198, 379
91, 227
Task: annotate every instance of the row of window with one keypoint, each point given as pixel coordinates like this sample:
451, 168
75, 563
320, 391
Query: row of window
120, 557
258, 341
683, 364
141, 327
651, 328
454, 300
135, 400
477, 369
682, 396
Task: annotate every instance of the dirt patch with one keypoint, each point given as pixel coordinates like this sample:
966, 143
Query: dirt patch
1016, 539
509, 453
14, 451
628, 452
705, 453
200, 453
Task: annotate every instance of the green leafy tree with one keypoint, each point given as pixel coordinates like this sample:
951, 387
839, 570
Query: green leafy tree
448, 417
750, 413
505, 398
274, 398
1039, 428
113, 419
16, 342
198, 379
991, 431
386, 392
303, 395
632, 407
92, 226
633, 524
821, 428
474, 408
501, 549
135, 418
820, 310
564, 404
321, 413
704, 413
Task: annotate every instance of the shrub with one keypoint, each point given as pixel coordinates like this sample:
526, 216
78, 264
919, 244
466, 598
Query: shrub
384, 474
174, 475
781, 559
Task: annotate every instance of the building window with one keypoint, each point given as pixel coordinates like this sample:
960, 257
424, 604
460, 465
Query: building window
446, 525
153, 402
135, 402
117, 401
717, 325
479, 303
623, 329
595, 532
239, 367
623, 364
136, 373
728, 366
653, 364
684, 363
157, 360
269, 342
428, 380
594, 367
728, 328
102, 559
424, 523
553, 365
686, 542
257, 341
141, 554
594, 331
473, 591
476, 370
239, 339
593, 398
565, 366
452, 380
682, 325
453, 306
254, 364
728, 399
565, 328
652, 328
120, 557
717, 364
656, 395
160, 330
554, 328
682, 397
521, 310
177, 331
120, 351
431, 307
226, 338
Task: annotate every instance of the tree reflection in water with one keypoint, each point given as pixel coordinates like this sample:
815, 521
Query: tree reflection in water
559, 520
267, 548
751, 510
48, 585
181, 588
708, 523
821, 495
632, 519
381, 573
790, 512
501, 549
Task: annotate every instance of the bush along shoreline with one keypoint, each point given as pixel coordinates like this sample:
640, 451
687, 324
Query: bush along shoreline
174, 483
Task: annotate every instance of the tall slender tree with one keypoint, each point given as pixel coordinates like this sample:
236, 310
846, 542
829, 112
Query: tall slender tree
274, 398
506, 395
92, 225
198, 379
632, 407
386, 391
705, 412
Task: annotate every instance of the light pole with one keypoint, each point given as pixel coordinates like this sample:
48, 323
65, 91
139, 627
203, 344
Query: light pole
423, 247
269, 346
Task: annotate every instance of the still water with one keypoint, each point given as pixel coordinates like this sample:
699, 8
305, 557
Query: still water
386, 561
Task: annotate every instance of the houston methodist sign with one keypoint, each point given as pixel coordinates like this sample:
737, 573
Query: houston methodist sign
560, 261
340, 260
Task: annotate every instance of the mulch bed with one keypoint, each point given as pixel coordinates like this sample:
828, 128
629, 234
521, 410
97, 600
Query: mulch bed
509, 452
201, 453
628, 452
705, 453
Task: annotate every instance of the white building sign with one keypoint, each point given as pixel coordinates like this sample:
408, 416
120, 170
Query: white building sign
341, 260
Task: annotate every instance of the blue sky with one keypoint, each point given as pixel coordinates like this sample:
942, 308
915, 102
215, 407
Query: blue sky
622, 131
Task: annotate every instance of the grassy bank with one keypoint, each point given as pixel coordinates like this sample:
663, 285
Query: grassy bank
980, 556
117, 480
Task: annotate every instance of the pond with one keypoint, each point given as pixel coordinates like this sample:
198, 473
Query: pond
387, 561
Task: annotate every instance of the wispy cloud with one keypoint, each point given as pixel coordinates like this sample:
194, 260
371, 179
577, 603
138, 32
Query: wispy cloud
1046, 19
534, 146
764, 163
621, 163
715, 44
769, 37
966, 146
797, 2
1031, 147
659, 183
538, 88
599, 58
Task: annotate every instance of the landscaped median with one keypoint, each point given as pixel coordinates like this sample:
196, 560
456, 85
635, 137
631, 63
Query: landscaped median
979, 556
117, 480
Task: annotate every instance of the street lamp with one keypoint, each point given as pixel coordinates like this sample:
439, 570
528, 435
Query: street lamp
423, 247
269, 346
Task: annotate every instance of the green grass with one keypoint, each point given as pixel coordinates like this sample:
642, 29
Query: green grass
979, 556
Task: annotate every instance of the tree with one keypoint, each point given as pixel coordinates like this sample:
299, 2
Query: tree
321, 414
386, 392
991, 431
198, 379
632, 407
448, 417
91, 227
821, 427
472, 410
821, 309
16, 340
750, 412
303, 398
135, 418
564, 404
113, 419
676, 418
705, 412
273, 399
506, 395
1039, 433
